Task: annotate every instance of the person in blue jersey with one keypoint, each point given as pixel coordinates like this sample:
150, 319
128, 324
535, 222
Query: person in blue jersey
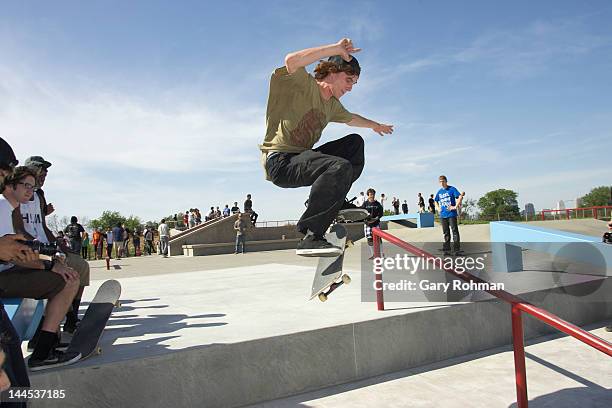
448, 203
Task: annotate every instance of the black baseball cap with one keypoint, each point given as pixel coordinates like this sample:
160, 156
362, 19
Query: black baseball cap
37, 161
353, 63
7, 155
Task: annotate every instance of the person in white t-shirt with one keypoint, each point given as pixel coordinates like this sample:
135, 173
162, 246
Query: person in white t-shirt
164, 237
38, 279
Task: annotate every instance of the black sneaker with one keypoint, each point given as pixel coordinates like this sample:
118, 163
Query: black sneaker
348, 205
70, 327
53, 360
312, 245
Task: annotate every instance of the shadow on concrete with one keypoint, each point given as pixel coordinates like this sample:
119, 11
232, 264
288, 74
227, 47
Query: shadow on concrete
131, 336
587, 397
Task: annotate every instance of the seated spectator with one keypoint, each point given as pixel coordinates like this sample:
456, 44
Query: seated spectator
198, 216
186, 219
226, 211
11, 249
37, 279
217, 213
235, 208
33, 225
211, 214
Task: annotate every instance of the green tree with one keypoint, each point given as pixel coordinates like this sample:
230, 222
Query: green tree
133, 223
597, 196
502, 202
107, 219
468, 208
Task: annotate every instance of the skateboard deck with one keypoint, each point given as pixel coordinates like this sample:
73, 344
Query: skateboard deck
88, 333
329, 273
352, 215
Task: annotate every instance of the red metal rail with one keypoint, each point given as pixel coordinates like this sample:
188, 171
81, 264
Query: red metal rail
568, 211
518, 306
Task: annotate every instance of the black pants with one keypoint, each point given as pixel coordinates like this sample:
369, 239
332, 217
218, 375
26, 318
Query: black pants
149, 246
447, 225
85, 251
330, 169
14, 365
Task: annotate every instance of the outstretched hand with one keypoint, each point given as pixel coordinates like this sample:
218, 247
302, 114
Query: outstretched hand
383, 129
346, 48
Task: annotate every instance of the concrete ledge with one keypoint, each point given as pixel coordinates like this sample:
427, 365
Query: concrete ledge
236, 374
509, 239
423, 220
229, 247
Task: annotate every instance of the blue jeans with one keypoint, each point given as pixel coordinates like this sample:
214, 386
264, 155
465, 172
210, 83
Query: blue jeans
240, 241
163, 244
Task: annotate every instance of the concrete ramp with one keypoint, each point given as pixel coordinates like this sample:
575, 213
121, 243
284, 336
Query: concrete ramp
218, 237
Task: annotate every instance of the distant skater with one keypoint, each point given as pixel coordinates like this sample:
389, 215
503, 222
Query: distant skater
448, 200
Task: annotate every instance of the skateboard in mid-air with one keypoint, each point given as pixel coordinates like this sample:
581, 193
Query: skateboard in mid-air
329, 275
88, 333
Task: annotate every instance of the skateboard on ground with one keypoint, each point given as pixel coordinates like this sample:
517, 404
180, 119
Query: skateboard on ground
88, 333
352, 215
329, 275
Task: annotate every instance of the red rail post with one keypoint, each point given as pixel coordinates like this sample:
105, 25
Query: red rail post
378, 279
519, 357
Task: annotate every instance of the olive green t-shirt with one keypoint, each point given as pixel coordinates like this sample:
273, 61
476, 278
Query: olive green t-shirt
297, 113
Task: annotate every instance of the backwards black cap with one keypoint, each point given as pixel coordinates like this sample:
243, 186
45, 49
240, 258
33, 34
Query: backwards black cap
7, 155
353, 63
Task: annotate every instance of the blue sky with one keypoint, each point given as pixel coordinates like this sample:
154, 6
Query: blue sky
150, 108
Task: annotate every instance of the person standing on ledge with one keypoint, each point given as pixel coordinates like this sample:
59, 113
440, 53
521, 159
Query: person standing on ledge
448, 202
299, 108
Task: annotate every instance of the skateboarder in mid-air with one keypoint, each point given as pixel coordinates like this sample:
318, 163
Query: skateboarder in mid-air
299, 108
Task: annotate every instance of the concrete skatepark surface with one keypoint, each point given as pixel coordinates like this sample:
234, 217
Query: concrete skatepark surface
481, 380
179, 305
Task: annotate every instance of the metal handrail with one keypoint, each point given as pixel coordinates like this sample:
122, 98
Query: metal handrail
518, 306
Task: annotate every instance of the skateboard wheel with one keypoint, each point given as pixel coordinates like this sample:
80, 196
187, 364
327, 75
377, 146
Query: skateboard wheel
346, 279
349, 243
322, 297
99, 350
117, 304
